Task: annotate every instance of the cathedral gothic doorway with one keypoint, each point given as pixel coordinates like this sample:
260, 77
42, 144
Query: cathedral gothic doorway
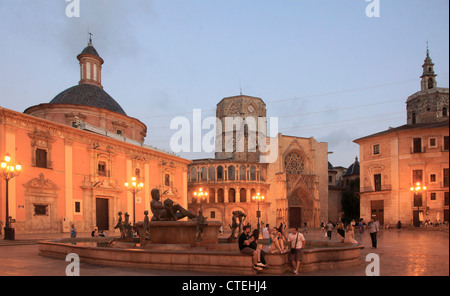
301, 208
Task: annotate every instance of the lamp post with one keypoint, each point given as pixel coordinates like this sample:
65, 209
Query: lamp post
134, 187
418, 189
258, 198
9, 170
201, 196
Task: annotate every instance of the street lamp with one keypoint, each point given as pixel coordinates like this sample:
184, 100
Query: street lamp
201, 196
258, 198
134, 187
417, 190
9, 170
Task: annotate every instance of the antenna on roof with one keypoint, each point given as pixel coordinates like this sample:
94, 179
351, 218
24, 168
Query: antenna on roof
240, 87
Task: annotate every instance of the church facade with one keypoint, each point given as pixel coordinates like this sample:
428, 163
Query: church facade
76, 152
293, 180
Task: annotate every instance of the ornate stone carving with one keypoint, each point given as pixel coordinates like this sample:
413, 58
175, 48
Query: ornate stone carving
41, 183
293, 163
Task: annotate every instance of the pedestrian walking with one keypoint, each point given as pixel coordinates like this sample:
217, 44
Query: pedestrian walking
373, 229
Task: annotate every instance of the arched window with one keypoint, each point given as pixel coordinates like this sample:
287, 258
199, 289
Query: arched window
203, 174
253, 173
252, 193
293, 163
444, 112
231, 172
243, 195
220, 196
242, 173
212, 195
231, 195
430, 83
211, 173
219, 173
413, 118
193, 174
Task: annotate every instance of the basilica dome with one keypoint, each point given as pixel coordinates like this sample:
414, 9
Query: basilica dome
88, 95
89, 106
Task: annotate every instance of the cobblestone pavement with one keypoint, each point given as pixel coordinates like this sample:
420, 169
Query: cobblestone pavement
401, 253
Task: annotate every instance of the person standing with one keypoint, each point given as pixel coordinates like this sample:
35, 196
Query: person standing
266, 232
329, 228
305, 224
297, 243
373, 229
361, 230
73, 232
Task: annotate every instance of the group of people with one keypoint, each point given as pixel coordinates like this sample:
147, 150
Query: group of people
277, 239
96, 233
428, 222
373, 227
346, 233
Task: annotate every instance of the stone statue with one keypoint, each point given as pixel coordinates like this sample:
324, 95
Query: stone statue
167, 211
200, 223
237, 215
119, 225
127, 227
146, 234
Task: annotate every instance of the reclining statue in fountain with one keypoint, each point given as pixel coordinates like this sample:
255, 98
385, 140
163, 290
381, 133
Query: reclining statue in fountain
167, 211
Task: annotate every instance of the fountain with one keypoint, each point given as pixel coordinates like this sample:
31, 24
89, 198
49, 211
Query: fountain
164, 242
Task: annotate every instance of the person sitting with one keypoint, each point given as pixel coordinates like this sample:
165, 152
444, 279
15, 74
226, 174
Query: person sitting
276, 243
254, 245
244, 247
94, 232
350, 235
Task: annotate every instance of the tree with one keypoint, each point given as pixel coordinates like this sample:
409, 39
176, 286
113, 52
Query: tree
350, 202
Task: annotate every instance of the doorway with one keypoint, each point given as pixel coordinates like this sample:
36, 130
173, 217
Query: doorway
417, 217
295, 217
377, 210
102, 210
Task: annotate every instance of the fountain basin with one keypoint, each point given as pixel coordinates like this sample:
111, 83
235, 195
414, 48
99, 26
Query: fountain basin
211, 258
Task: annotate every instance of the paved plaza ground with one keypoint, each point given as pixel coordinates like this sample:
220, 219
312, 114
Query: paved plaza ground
402, 252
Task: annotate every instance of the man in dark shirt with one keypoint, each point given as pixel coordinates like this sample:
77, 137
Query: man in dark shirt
244, 242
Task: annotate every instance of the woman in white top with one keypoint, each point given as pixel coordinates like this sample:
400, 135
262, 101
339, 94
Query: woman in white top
276, 243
